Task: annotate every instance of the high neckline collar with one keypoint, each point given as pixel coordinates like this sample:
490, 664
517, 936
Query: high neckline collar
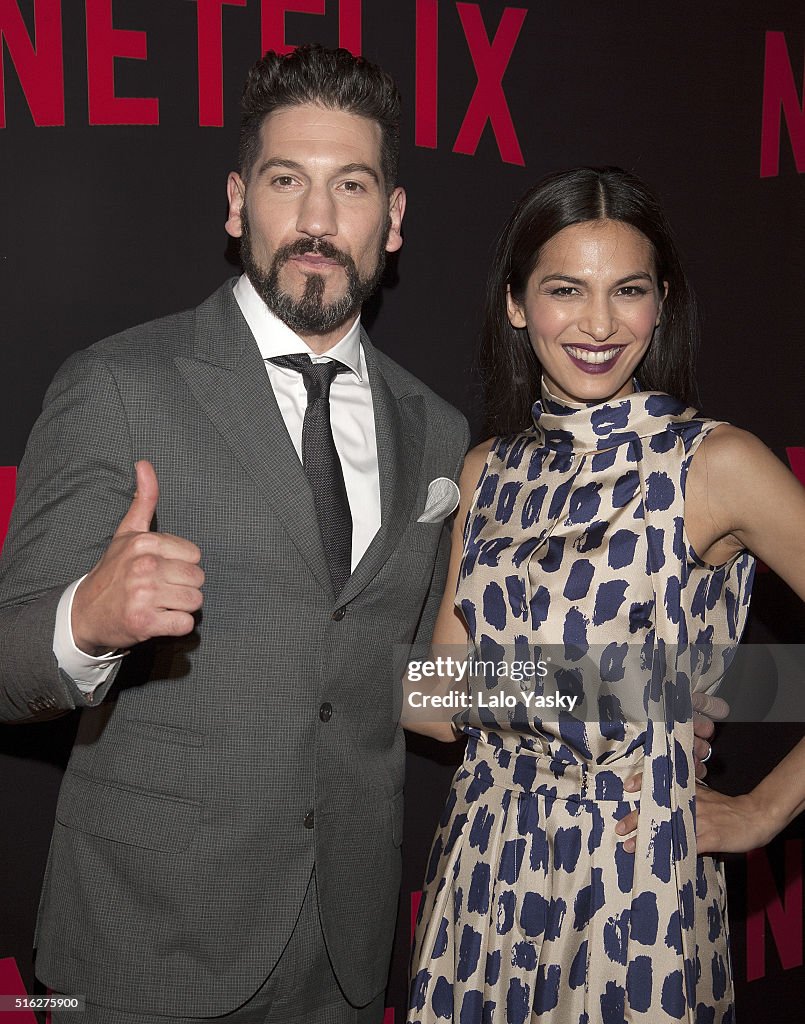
569, 426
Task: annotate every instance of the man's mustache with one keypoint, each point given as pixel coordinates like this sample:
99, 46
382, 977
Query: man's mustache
303, 246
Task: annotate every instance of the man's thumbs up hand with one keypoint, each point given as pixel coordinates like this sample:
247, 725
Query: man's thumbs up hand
146, 584
144, 504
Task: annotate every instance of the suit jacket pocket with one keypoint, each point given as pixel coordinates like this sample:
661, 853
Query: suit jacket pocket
140, 755
424, 536
126, 815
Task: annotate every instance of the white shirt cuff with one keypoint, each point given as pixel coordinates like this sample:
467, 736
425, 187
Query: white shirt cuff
86, 671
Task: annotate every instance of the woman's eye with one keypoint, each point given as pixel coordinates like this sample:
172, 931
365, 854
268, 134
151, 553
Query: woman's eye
631, 290
565, 289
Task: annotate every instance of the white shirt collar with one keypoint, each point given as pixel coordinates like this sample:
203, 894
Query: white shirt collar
274, 338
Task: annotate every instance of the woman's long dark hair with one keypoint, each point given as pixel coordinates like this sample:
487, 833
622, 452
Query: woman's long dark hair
510, 369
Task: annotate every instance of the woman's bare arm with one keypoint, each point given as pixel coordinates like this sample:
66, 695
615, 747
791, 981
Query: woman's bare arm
739, 495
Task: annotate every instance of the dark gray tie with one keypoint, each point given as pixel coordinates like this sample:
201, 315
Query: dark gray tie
322, 465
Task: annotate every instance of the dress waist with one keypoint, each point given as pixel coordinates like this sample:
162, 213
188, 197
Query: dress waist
527, 769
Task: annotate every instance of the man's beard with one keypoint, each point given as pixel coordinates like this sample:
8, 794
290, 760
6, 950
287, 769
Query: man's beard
310, 314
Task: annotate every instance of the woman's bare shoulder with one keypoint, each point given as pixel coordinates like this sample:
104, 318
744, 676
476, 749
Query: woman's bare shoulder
474, 462
729, 456
738, 488
728, 441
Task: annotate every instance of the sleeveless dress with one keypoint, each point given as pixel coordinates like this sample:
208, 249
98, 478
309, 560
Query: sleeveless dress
575, 549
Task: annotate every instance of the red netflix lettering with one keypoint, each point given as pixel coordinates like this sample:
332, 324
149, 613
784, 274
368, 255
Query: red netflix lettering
780, 100
427, 74
272, 13
104, 44
349, 26
8, 492
763, 901
11, 984
488, 101
40, 69
211, 61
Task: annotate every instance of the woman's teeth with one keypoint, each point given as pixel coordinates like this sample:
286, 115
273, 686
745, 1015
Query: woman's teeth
592, 356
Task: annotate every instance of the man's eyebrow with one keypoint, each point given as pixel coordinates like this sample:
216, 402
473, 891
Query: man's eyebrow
287, 164
278, 161
360, 169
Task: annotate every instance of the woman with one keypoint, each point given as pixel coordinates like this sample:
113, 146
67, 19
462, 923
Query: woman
606, 526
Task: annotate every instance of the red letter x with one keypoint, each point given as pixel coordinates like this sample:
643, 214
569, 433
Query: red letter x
488, 102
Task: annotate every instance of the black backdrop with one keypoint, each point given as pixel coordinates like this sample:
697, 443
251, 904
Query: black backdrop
119, 124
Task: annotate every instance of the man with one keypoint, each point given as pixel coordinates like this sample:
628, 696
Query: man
228, 829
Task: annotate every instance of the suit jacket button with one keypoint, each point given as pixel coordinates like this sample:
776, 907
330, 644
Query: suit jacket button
326, 712
339, 614
309, 819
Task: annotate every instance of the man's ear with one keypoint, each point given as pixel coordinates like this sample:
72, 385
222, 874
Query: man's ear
236, 194
514, 310
396, 213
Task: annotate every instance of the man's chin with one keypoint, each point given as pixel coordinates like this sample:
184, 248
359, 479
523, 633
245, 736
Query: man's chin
310, 303
301, 317
326, 298
294, 281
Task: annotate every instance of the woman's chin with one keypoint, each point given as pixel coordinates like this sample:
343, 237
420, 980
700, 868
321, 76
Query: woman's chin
590, 387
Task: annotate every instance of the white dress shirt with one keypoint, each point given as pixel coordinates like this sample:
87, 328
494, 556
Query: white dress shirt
353, 424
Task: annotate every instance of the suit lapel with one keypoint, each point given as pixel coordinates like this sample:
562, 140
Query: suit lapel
226, 374
399, 428
228, 379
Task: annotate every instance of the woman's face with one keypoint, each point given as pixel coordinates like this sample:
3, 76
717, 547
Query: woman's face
590, 307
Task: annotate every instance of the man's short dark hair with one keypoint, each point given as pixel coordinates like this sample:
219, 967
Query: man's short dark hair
332, 78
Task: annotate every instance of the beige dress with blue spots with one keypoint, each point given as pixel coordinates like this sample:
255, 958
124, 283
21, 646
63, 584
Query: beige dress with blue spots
575, 544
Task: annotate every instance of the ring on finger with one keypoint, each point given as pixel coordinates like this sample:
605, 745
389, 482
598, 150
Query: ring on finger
708, 755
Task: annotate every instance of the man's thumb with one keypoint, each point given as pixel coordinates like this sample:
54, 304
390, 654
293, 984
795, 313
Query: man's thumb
144, 503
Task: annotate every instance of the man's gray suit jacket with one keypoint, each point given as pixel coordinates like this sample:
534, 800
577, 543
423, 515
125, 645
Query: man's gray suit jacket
183, 844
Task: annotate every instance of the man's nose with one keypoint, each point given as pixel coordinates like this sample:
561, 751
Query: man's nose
317, 213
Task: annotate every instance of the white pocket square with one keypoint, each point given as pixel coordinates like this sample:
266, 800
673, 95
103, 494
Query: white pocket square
443, 498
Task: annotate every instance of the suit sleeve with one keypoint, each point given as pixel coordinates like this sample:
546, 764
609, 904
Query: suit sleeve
421, 645
75, 484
